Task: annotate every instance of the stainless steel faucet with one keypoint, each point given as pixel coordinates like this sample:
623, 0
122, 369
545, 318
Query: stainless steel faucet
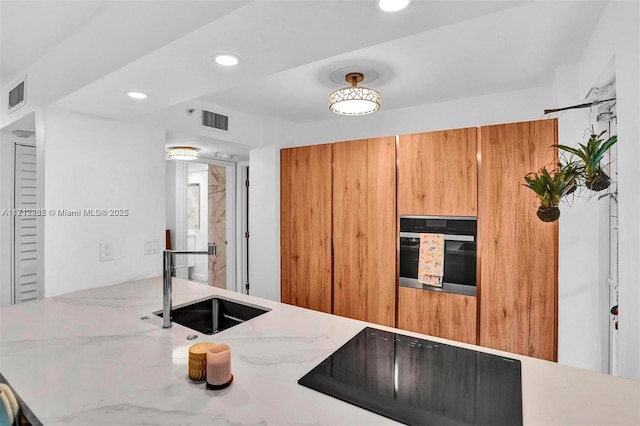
168, 268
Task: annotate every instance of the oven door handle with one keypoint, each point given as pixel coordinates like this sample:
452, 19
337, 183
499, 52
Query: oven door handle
447, 237
409, 246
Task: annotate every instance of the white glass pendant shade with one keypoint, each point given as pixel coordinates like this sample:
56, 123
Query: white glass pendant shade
354, 100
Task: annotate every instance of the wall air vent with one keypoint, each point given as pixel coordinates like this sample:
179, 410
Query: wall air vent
17, 96
216, 121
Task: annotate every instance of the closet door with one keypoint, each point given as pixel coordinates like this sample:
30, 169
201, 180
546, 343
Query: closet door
27, 228
305, 227
519, 253
364, 229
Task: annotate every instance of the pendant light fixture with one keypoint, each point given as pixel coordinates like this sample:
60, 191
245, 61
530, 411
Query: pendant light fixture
183, 153
354, 100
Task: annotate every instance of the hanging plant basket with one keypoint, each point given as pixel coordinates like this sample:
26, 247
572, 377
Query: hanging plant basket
554, 184
550, 187
548, 214
590, 156
598, 181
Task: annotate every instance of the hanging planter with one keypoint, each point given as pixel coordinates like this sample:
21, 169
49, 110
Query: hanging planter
590, 156
598, 181
550, 187
548, 214
572, 172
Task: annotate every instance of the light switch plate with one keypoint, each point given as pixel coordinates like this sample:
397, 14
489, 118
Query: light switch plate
106, 252
150, 247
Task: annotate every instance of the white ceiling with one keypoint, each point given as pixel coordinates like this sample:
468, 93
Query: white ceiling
433, 51
32, 28
507, 50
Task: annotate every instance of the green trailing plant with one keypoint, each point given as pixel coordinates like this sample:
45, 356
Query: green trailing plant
550, 187
590, 155
573, 172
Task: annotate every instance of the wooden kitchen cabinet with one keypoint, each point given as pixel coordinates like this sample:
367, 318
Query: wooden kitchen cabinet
345, 191
364, 230
446, 315
518, 252
437, 173
438, 176
305, 215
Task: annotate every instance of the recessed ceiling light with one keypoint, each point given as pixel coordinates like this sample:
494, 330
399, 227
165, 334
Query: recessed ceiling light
392, 5
137, 95
226, 60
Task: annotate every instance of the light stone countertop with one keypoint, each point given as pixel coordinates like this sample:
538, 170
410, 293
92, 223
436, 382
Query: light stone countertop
86, 358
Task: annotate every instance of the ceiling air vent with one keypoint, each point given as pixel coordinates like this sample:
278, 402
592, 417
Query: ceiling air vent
216, 121
16, 96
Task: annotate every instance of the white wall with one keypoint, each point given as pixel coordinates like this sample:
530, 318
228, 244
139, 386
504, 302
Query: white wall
618, 36
264, 223
479, 111
6, 179
581, 286
578, 271
93, 163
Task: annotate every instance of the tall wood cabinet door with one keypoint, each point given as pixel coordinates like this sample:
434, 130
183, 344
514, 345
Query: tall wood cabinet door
446, 315
305, 226
518, 252
437, 173
364, 230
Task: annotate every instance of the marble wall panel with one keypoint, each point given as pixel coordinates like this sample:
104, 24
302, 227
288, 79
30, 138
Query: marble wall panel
217, 183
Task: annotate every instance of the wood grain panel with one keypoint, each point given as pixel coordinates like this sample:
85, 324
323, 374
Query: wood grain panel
437, 173
518, 252
446, 315
305, 227
364, 229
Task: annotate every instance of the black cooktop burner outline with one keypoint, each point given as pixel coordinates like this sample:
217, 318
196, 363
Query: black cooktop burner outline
421, 382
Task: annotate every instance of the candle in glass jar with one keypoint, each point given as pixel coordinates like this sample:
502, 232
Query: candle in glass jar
198, 360
219, 364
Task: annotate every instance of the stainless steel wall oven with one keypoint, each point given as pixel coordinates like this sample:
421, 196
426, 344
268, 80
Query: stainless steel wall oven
460, 251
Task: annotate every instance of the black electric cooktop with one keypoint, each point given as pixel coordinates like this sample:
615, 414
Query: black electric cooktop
419, 382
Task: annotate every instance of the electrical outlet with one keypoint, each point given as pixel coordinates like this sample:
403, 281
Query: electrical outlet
106, 252
150, 247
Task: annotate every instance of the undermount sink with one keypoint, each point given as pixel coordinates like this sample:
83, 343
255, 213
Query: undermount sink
212, 315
